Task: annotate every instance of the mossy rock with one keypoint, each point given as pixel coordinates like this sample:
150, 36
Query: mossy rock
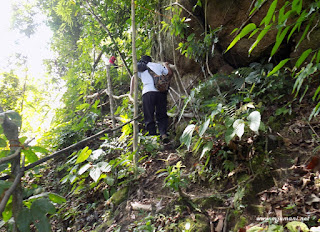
201, 224
207, 202
118, 197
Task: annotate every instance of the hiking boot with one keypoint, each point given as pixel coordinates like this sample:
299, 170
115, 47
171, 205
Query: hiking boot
165, 138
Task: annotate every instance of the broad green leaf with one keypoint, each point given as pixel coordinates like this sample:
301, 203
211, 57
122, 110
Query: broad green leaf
254, 119
55, 198
30, 156
204, 127
230, 133
84, 155
42, 224
259, 38
206, 148
39, 149
302, 58
41, 207
84, 168
186, 136
296, 226
279, 66
24, 220
190, 37
250, 27
238, 127
270, 13
279, 40
95, 173
110, 180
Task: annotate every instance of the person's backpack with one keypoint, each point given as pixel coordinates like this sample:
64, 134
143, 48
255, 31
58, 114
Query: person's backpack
161, 82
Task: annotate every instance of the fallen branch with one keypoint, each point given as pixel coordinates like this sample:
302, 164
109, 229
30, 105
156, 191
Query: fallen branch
138, 206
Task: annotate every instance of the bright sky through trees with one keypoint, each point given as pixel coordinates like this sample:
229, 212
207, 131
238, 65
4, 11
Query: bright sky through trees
11, 42
36, 49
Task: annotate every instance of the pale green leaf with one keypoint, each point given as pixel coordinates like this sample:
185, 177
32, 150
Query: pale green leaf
206, 148
279, 66
104, 166
95, 173
270, 13
296, 226
84, 168
247, 29
238, 127
302, 58
297, 6
186, 136
31, 157
260, 37
254, 120
204, 127
255, 229
55, 198
39, 149
84, 155
97, 153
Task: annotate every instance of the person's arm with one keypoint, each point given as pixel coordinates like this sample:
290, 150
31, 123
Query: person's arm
166, 64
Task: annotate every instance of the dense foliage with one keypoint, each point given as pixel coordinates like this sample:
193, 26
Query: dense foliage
85, 34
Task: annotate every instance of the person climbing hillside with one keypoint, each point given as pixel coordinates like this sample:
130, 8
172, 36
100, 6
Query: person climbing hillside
154, 102
112, 61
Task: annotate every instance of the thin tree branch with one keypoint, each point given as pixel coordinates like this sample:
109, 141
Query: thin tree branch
10, 191
110, 35
10, 157
12, 188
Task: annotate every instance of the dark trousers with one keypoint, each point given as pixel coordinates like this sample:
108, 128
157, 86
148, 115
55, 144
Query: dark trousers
155, 105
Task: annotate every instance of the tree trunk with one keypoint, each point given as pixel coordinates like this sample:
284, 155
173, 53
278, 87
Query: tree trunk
11, 131
110, 92
135, 76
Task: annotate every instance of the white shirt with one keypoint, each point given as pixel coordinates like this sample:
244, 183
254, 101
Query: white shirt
146, 78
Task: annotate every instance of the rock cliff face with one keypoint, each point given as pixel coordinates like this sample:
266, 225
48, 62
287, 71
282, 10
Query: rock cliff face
227, 14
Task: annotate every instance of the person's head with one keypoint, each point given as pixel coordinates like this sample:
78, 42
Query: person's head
112, 59
146, 59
